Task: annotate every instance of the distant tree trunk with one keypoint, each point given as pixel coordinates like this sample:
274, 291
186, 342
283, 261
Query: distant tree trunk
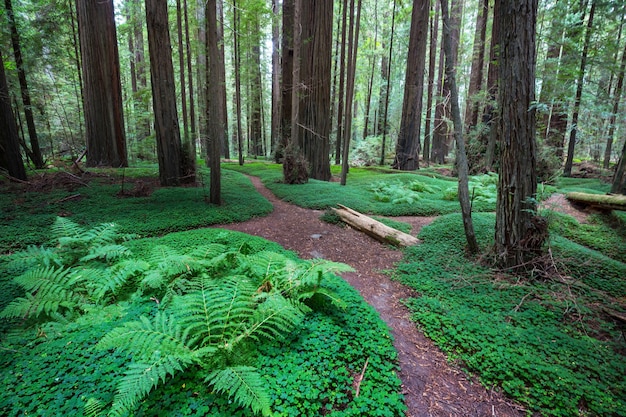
567, 170
163, 93
255, 98
516, 225
478, 63
187, 160
314, 106
10, 157
353, 44
237, 58
617, 95
192, 109
21, 74
201, 73
442, 134
386, 65
342, 80
104, 121
619, 178
76, 46
370, 83
222, 76
461, 157
489, 132
287, 86
275, 123
432, 59
408, 146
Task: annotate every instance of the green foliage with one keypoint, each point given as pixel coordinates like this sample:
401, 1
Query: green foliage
544, 342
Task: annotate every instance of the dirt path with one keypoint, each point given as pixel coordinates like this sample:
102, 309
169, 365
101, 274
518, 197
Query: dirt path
431, 385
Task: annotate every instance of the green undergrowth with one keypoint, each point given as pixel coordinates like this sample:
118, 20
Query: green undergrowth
374, 191
547, 343
26, 215
582, 185
307, 335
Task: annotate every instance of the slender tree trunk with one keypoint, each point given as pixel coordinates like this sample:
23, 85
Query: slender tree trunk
353, 44
192, 109
342, 80
163, 93
255, 97
201, 73
461, 157
215, 107
516, 225
617, 95
76, 46
275, 123
488, 137
478, 63
237, 80
387, 91
370, 83
222, 70
10, 157
619, 178
287, 85
104, 121
432, 59
187, 160
314, 107
21, 74
408, 146
567, 170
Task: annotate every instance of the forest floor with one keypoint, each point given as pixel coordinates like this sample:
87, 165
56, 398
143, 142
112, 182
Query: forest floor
431, 384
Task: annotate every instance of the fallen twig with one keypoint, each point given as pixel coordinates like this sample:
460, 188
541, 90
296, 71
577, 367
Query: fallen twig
360, 377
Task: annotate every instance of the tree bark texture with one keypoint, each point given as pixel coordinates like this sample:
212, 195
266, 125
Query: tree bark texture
163, 93
617, 95
104, 120
215, 106
374, 228
222, 70
286, 87
517, 182
21, 74
408, 145
432, 57
314, 107
342, 82
275, 123
489, 131
478, 63
10, 157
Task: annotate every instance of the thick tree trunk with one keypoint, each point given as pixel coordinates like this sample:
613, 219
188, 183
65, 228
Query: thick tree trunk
314, 106
408, 146
21, 74
432, 59
342, 81
461, 157
599, 201
286, 88
215, 107
10, 157
567, 170
104, 121
163, 93
516, 228
374, 228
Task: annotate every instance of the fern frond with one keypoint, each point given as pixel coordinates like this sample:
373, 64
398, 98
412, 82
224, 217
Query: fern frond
93, 408
33, 256
208, 251
65, 228
102, 234
106, 252
20, 307
141, 378
216, 309
265, 264
116, 276
273, 319
245, 385
41, 278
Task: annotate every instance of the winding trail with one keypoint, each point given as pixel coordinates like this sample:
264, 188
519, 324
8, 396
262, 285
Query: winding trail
431, 385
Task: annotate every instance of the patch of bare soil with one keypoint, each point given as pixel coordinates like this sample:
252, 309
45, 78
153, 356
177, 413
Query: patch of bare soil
432, 386
558, 202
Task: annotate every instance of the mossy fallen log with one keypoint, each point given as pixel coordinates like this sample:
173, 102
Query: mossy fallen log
599, 201
374, 228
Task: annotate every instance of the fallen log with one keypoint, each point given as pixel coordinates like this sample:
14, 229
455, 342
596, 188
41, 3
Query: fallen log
599, 201
374, 228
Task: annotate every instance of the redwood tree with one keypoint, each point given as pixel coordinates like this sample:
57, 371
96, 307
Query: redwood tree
517, 183
163, 93
10, 158
104, 121
408, 146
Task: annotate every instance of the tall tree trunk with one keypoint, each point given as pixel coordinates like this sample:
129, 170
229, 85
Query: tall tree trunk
104, 121
619, 178
516, 227
567, 170
478, 63
187, 160
163, 93
76, 46
617, 95
275, 123
21, 75
370, 83
215, 107
408, 146
237, 59
191, 151
353, 45
255, 98
222, 75
314, 106
342, 80
287, 86
143, 120
201, 73
387, 81
10, 157
432, 59
489, 132
461, 157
